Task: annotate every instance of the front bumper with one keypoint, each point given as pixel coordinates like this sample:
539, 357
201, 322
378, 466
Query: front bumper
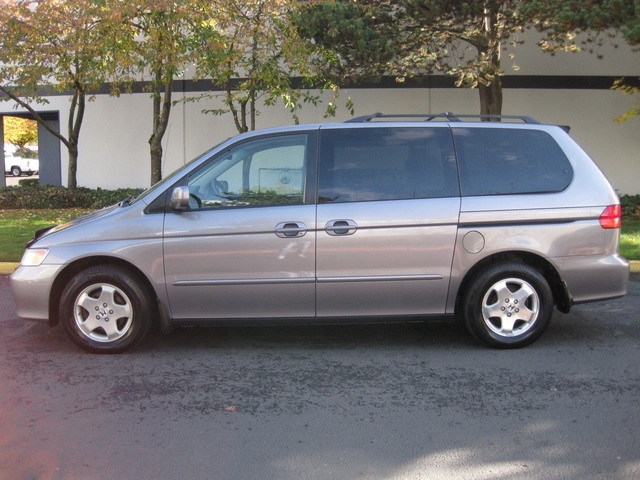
31, 288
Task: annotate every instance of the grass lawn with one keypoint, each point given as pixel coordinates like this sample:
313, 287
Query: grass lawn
630, 240
18, 226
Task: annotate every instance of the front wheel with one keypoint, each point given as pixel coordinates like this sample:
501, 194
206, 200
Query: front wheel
508, 305
16, 172
106, 309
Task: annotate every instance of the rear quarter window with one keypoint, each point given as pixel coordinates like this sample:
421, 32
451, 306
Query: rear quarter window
498, 161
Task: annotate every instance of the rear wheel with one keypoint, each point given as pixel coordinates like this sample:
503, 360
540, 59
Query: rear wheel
508, 305
106, 309
16, 172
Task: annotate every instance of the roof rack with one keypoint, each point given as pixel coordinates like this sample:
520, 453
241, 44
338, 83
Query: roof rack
445, 115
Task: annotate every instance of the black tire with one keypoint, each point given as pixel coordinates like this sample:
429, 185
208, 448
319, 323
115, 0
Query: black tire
106, 309
508, 305
16, 172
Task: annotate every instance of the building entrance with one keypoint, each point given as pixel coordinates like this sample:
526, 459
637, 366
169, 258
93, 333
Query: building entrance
50, 172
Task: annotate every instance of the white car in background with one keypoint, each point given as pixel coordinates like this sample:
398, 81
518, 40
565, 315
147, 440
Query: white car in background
16, 166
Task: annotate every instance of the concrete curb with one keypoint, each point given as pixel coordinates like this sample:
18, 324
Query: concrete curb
8, 268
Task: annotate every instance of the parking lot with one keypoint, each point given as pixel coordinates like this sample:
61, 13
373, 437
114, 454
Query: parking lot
326, 402
11, 181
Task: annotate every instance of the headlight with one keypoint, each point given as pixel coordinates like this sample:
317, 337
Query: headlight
33, 258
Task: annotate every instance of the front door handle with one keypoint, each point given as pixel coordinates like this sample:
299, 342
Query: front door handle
291, 229
341, 227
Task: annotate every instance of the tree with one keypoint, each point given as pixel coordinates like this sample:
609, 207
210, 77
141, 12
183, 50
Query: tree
485, 26
591, 18
249, 51
413, 38
154, 43
464, 38
53, 46
631, 27
478, 28
20, 132
352, 41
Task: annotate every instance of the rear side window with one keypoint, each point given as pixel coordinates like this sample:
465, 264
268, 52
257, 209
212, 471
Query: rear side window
496, 161
379, 163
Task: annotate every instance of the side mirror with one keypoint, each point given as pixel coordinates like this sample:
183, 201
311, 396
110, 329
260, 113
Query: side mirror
180, 198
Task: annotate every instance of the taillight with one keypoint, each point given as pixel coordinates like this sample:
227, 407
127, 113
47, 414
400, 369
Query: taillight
611, 217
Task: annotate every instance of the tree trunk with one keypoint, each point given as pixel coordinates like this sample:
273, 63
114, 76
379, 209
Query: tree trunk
76, 115
253, 110
155, 150
161, 112
72, 181
491, 97
489, 81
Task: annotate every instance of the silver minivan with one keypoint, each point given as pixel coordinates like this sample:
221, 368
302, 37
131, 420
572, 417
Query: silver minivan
376, 219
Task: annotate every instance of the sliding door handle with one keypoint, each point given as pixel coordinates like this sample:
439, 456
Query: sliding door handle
341, 227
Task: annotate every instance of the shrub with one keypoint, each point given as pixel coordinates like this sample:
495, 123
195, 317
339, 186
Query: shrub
630, 206
29, 182
48, 196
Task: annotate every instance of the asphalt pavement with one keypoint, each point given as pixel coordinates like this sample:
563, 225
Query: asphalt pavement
326, 402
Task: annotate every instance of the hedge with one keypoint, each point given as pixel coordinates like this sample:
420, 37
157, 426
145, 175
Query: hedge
630, 206
40, 197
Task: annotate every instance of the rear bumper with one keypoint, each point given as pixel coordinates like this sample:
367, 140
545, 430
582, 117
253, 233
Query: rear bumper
594, 278
31, 289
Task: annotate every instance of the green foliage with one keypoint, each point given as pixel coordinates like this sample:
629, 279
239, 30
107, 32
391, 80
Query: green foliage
596, 20
47, 197
18, 226
251, 52
54, 46
20, 132
251, 49
462, 38
630, 239
630, 206
621, 85
154, 41
29, 182
50, 44
354, 41
631, 29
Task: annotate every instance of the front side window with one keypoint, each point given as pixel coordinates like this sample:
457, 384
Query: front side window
382, 163
500, 161
268, 171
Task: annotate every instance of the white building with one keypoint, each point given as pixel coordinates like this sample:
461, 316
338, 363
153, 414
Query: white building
566, 89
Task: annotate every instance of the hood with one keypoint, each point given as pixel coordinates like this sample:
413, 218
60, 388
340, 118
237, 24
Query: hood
89, 217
